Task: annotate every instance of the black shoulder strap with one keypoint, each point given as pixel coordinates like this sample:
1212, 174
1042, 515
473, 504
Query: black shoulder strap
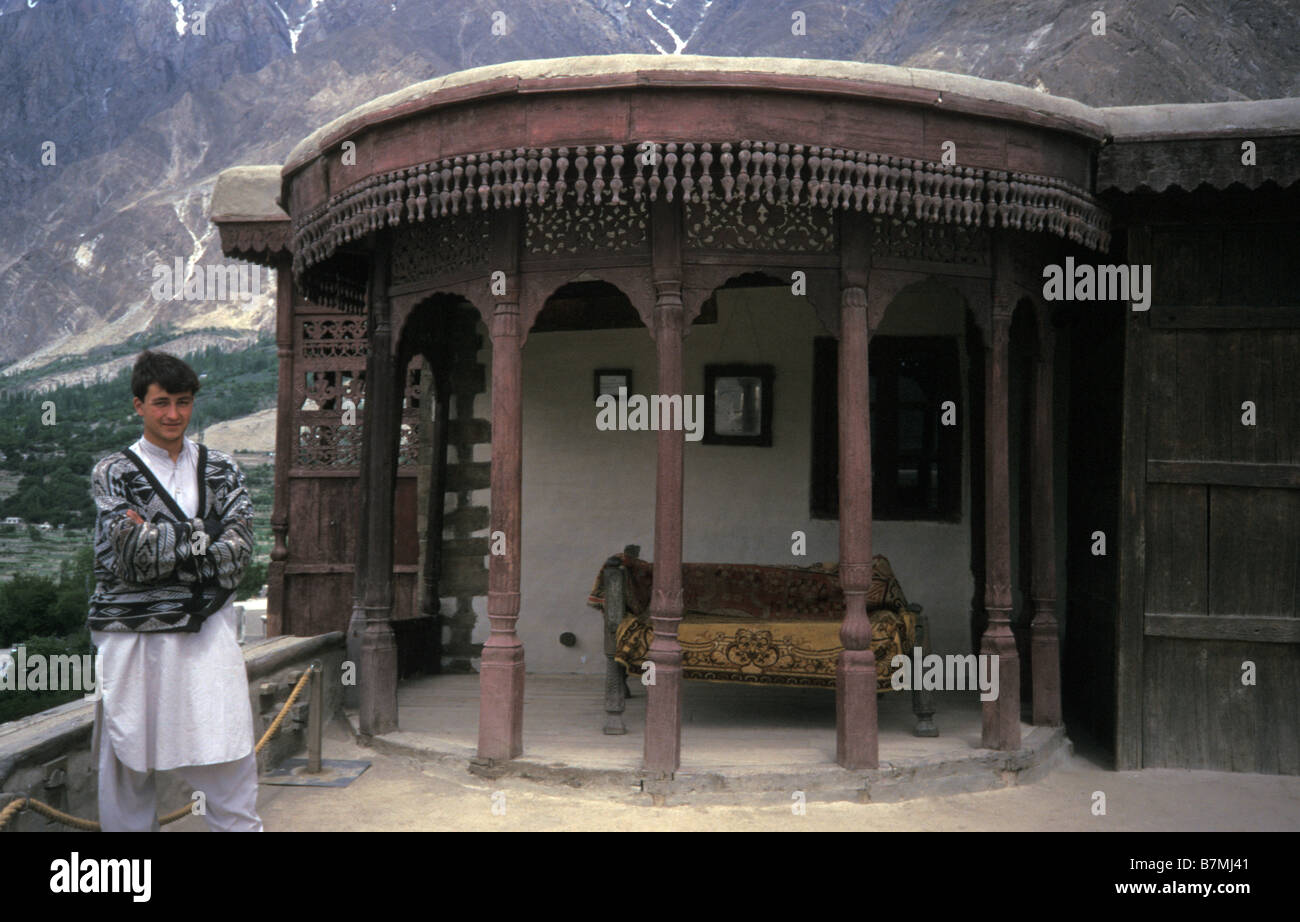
203, 481
167, 498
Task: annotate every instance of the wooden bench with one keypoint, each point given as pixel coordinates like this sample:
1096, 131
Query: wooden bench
754, 625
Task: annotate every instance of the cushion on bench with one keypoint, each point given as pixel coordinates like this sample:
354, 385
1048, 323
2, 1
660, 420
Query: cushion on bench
763, 624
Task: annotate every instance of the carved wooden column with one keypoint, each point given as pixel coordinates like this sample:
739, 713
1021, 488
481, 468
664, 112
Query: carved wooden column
501, 673
378, 666
857, 741
1045, 656
663, 724
284, 435
357, 623
1002, 715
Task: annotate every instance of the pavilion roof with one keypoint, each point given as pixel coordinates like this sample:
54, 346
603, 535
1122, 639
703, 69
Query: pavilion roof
1152, 147
907, 84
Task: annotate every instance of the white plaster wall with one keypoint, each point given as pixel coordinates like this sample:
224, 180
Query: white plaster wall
932, 560
587, 493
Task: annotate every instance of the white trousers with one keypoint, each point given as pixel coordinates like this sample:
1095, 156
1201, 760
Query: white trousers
127, 801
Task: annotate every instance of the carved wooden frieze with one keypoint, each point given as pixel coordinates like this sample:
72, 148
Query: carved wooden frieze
328, 445
747, 225
1158, 165
330, 418
329, 383
917, 240
331, 337
449, 246
331, 390
567, 230
256, 241
617, 177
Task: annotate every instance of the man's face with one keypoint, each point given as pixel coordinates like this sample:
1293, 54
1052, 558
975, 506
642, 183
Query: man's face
165, 415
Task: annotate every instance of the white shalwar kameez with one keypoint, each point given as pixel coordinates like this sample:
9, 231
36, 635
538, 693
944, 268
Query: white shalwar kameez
176, 701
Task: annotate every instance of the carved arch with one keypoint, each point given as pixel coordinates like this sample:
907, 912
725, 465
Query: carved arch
536, 289
701, 281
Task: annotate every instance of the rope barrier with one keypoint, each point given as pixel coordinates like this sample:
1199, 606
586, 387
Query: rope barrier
76, 822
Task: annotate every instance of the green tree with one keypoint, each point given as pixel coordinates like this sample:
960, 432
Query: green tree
76, 583
251, 583
15, 704
27, 607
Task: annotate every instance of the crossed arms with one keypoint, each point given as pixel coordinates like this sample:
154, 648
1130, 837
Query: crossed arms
142, 552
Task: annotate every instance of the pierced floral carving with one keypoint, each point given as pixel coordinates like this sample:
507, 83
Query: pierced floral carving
748, 225
328, 444
434, 248
947, 243
329, 337
558, 230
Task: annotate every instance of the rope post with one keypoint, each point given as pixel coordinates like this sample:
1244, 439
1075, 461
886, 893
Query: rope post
315, 718
14, 807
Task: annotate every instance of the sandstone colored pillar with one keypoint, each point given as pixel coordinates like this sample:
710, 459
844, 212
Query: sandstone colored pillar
378, 668
1001, 723
857, 742
663, 730
284, 436
501, 673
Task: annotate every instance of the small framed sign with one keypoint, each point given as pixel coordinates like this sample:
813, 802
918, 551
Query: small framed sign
609, 380
738, 404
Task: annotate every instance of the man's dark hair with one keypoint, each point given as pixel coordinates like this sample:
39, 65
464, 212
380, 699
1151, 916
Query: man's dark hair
170, 373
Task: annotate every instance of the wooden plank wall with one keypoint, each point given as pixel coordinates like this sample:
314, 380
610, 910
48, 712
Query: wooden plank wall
1222, 503
319, 578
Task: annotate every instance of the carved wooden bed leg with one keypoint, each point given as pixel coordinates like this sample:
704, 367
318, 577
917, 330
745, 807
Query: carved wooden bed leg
615, 675
923, 698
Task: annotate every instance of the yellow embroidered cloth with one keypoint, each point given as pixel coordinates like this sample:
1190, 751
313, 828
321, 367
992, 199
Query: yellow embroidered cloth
760, 624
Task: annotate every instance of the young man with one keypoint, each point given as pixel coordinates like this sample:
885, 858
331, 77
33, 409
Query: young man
173, 533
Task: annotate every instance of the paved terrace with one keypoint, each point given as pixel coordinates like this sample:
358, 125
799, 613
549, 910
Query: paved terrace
572, 777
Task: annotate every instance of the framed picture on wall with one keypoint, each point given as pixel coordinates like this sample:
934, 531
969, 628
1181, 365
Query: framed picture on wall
609, 380
738, 404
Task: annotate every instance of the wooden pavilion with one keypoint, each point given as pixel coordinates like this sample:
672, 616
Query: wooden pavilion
547, 198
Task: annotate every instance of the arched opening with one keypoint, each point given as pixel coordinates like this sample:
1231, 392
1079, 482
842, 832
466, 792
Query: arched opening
752, 364
923, 435
445, 441
586, 493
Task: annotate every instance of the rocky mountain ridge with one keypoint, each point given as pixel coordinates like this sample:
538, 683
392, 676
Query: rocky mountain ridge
119, 115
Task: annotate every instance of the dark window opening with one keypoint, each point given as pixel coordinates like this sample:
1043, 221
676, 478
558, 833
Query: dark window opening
915, 459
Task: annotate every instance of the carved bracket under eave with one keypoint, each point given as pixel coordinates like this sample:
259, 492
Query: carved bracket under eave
263, 242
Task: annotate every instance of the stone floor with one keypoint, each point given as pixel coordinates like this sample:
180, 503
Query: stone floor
738, 742
722, 725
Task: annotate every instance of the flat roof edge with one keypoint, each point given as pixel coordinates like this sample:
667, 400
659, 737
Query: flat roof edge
1192, 121
870, 80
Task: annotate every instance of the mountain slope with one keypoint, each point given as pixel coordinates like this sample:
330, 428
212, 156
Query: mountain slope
144, 113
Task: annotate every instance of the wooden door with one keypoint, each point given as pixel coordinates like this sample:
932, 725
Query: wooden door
1209, 641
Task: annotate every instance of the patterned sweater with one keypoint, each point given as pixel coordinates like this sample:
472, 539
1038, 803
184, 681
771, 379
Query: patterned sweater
172, 572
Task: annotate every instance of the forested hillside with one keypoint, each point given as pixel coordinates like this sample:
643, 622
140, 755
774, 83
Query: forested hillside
51, 441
